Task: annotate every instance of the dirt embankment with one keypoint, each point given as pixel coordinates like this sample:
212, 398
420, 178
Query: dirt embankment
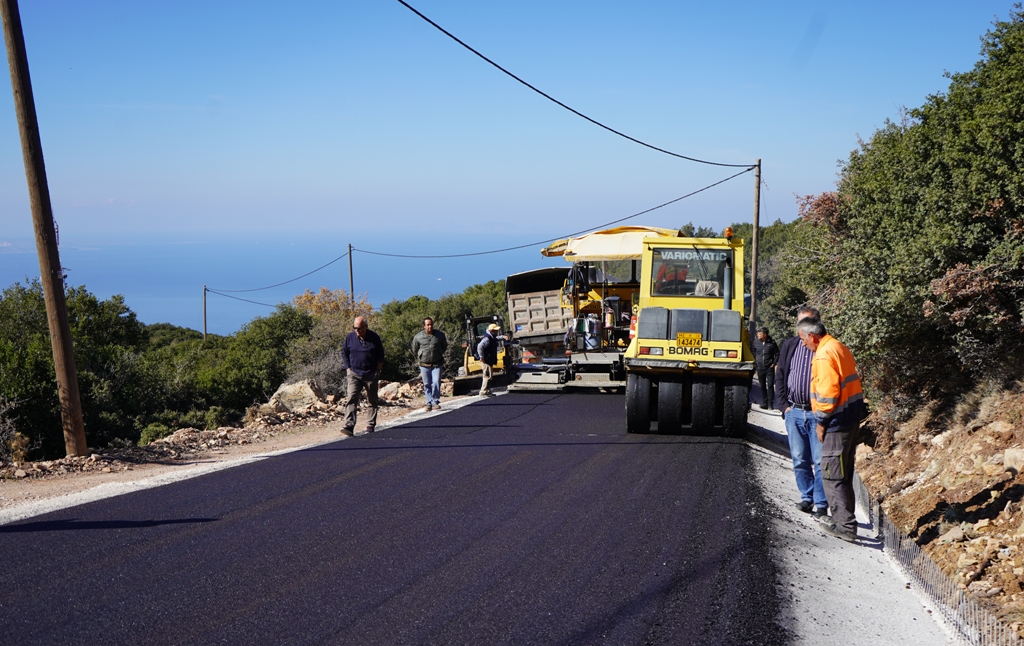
951, 479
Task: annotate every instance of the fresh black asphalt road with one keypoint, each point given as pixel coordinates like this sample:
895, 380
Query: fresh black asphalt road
522, 519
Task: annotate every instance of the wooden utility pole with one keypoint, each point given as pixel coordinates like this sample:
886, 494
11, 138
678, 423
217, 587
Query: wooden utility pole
204, 312
351, 289
753, 247
51, 273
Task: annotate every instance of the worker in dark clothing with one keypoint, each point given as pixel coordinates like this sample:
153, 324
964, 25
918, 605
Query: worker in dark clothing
767, 358
793, 400
363, 353
487, 351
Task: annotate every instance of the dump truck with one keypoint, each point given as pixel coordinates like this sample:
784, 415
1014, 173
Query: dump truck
574, 332
689, 366
537, 327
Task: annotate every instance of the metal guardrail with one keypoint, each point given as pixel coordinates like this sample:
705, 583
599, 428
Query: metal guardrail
972, 624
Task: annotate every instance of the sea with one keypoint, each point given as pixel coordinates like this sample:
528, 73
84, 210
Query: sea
163, 280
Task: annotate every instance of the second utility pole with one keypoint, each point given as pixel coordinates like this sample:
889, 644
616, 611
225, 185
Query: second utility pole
351, 289
753, 248
51, 273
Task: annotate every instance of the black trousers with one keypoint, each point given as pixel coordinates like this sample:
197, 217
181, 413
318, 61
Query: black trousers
766, 380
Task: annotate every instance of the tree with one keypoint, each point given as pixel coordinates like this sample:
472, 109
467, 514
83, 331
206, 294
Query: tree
917, 258
108, 339
318, 356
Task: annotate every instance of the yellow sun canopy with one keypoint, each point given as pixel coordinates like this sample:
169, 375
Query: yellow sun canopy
620, 243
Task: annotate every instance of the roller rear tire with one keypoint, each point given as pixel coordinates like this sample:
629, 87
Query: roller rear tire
702, 408
638, 404
670, 407
736, 405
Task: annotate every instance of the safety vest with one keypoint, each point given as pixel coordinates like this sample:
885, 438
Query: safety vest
837, 399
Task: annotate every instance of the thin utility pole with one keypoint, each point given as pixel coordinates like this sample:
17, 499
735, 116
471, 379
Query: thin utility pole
204, 312
753, 247
51, 273
351, 289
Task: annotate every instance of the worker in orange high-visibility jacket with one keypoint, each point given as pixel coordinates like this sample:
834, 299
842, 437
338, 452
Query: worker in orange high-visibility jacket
837, 402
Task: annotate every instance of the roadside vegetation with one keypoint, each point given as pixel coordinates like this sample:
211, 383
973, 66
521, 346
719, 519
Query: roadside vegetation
917, 258
141, 382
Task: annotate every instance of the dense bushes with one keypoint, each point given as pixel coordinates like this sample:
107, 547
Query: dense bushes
139, 382
917, 258
133, 378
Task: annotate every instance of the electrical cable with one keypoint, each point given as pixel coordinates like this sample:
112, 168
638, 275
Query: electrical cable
531, 244
244, 300
260, 289
477, 253
554, 100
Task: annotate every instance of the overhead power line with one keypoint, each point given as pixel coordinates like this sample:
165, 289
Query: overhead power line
569, 235
260, 289
244, 300
554, 100
221, 292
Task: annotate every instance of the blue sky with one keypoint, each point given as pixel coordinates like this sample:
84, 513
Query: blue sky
223, 123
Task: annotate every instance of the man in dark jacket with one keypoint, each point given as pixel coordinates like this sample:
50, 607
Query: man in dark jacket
793, 400
428, 346
487, 350
767, 358
363, 353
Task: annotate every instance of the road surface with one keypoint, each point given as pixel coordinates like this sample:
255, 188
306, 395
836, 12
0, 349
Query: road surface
522, 519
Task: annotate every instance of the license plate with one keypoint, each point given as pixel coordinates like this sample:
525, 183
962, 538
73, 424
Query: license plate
688, 339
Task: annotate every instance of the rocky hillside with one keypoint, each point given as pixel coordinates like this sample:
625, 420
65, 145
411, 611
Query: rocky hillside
951, 479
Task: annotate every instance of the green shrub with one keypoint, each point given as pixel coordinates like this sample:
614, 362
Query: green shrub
917, 259
153, 432
216, 417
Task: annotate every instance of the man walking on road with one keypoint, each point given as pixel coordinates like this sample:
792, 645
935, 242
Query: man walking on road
428, 346
363, 353
837, 402
487, 350
767, 358
793, 399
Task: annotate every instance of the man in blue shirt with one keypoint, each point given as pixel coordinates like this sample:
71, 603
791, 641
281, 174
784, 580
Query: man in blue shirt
363, 353
793, 398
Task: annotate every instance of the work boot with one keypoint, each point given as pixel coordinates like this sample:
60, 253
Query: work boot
849, 537
805, 506
347, 432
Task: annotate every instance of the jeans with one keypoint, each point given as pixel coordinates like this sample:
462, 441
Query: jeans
805, 447
431, 377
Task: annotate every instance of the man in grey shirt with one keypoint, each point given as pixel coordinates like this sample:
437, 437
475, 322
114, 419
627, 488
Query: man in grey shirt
429, 346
